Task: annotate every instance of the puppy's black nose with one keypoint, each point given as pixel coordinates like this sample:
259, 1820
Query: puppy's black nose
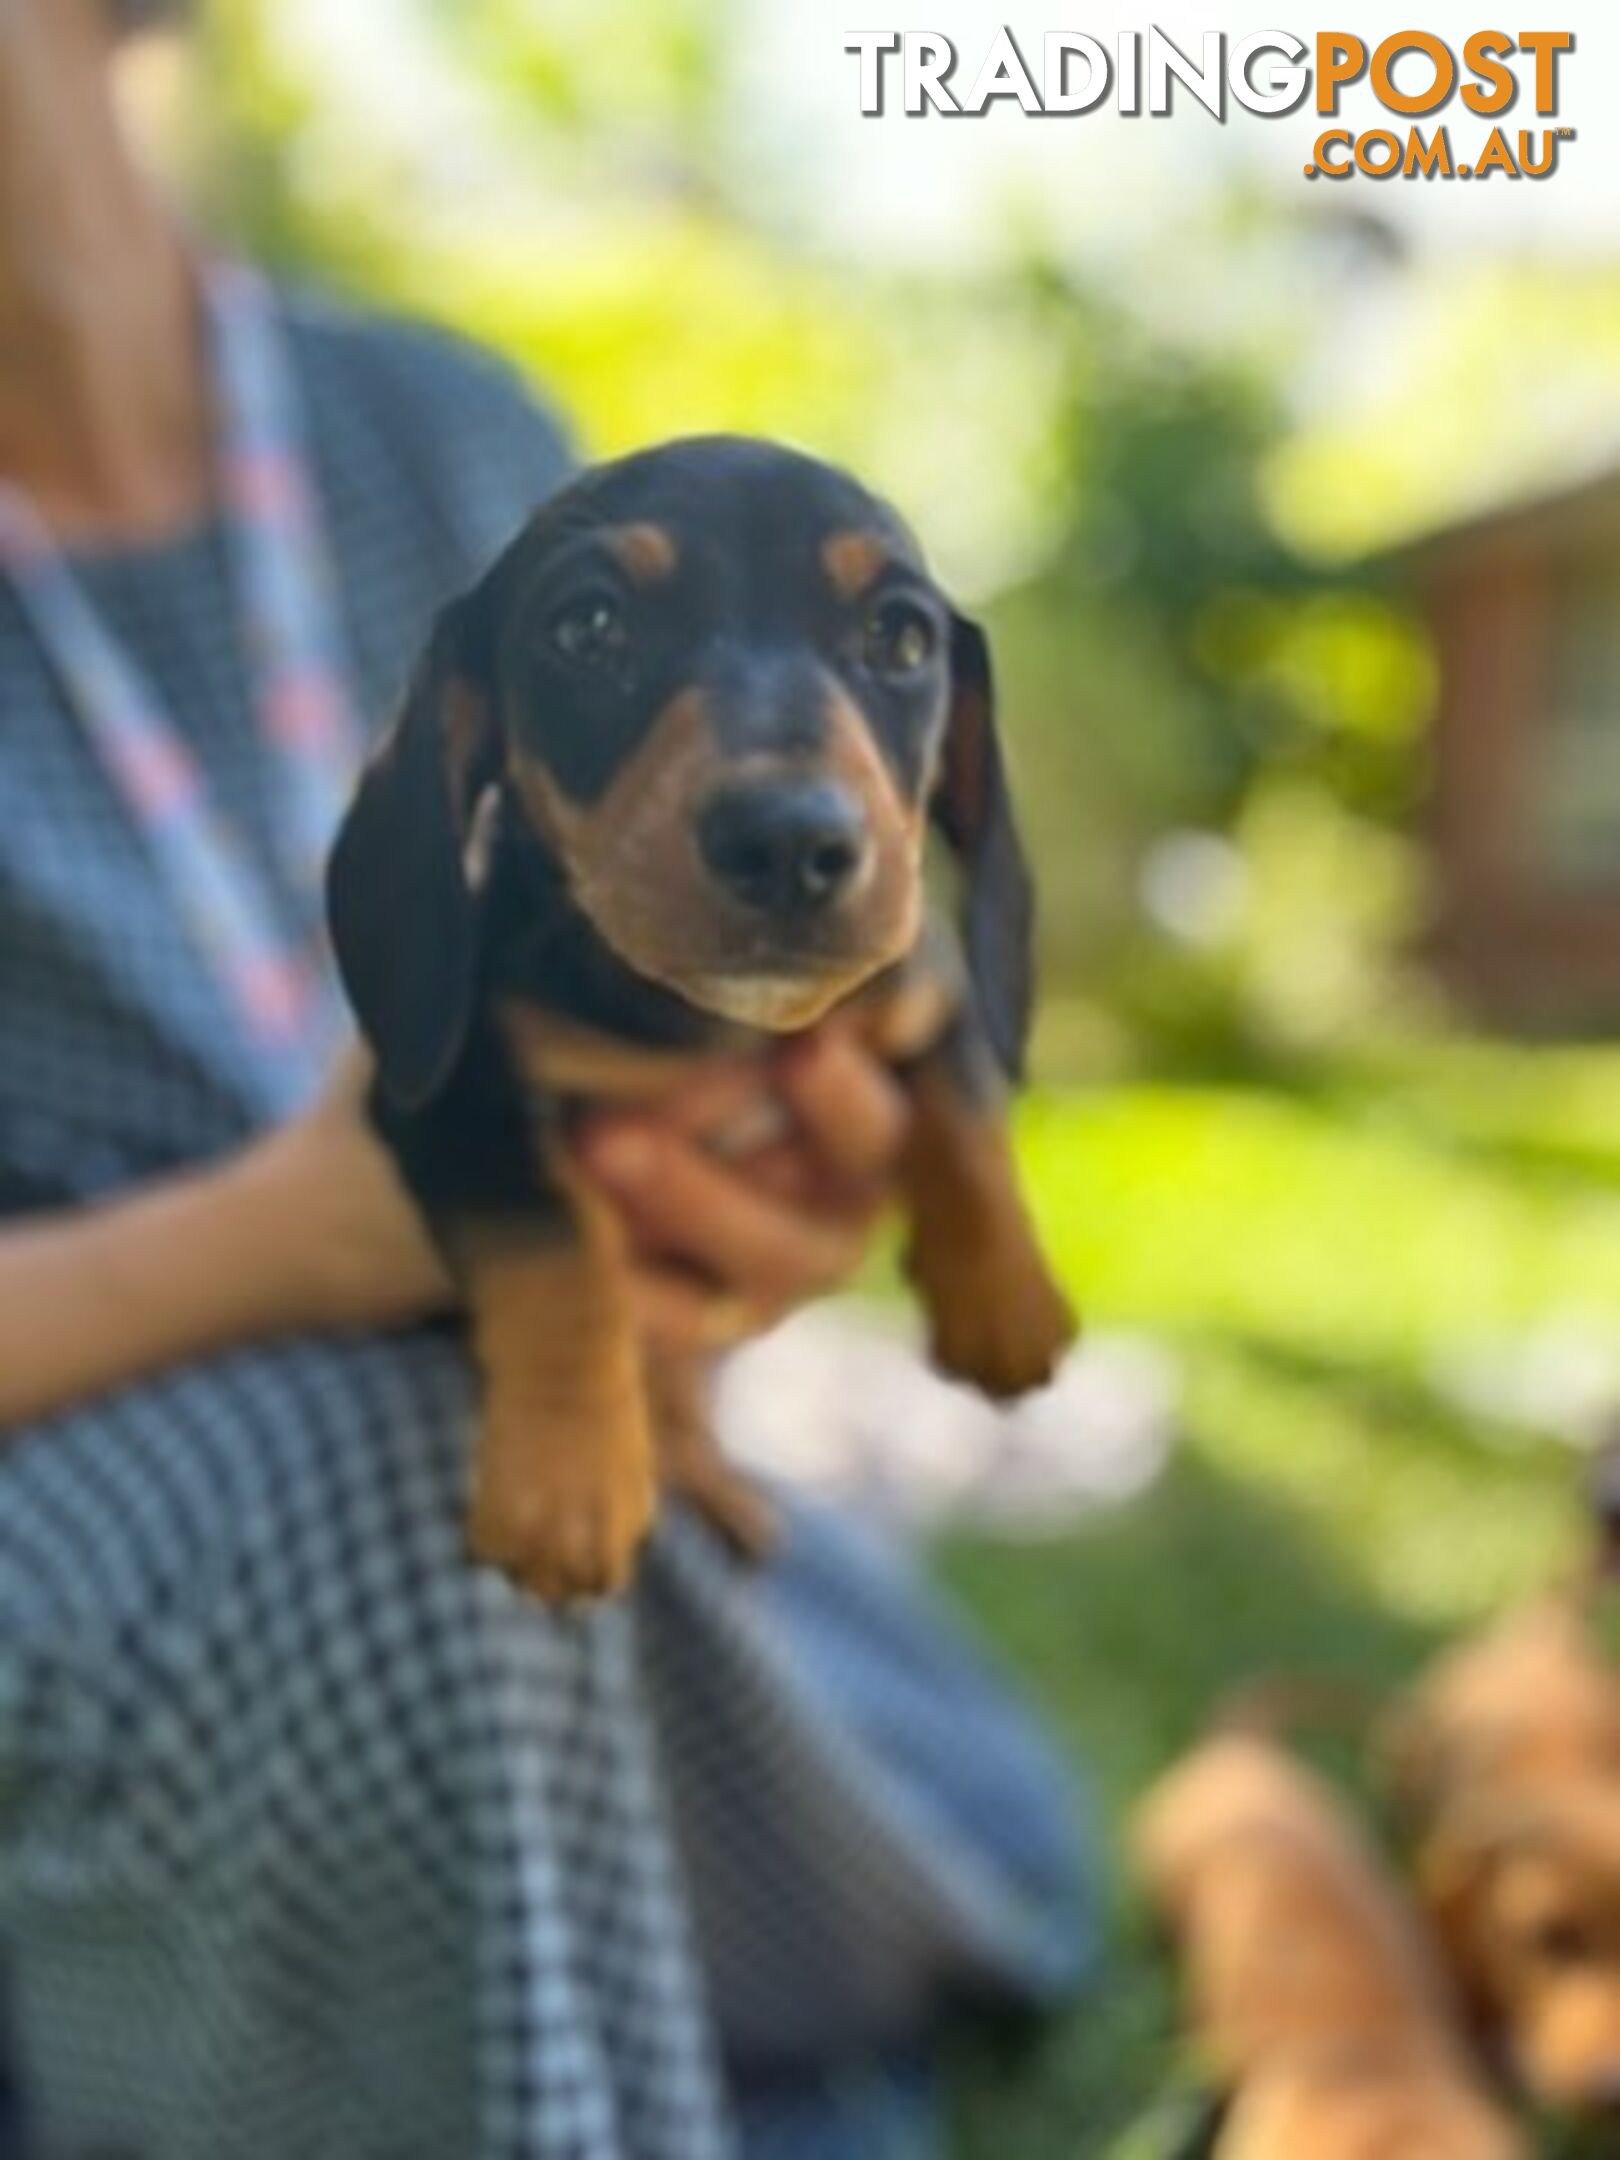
789, 847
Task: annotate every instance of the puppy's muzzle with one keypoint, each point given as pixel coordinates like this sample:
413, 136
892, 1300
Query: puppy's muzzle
789, 849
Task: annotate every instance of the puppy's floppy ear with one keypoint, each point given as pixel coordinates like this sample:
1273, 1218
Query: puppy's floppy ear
973, 809
1452, 1869
403, 910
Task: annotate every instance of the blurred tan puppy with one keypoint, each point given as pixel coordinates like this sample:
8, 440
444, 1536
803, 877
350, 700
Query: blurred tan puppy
1531, 1702
1505, 1763
1526, 1902
1383, 2109
1311, 1991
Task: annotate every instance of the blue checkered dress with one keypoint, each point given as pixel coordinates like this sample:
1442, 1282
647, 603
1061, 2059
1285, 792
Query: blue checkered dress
315, 1841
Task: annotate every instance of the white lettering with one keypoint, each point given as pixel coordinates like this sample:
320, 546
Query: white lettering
872, 45
1281, 88
1129, 97
1003, 75
928, 58
1167, 60
1062, 46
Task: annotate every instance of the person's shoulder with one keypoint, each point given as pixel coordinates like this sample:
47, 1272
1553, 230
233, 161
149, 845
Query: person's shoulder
428, 376
410, 412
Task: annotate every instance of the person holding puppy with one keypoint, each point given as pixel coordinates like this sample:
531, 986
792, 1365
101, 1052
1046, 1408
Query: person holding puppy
315, 1838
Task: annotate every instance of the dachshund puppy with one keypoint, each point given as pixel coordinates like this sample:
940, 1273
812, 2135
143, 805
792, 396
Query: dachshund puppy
1313, 1995
1378, 2108
1505, 1764
659, 792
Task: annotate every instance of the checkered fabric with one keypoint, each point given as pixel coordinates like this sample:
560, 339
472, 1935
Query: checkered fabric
315, 1841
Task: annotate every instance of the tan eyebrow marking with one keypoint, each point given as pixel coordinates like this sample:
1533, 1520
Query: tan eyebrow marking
646, 551
854, 561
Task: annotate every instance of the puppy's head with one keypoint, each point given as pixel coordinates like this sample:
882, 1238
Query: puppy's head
1532, 1700
720, 688
1526, 1895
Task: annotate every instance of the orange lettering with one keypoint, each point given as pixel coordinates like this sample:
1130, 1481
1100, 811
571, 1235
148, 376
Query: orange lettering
1483, 54
1339, 59
1434, 49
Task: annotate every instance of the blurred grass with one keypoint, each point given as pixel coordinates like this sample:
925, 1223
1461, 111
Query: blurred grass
1312, 1259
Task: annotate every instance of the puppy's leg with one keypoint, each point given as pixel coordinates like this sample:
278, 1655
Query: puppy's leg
996, 1316
563, 1490
692, 1464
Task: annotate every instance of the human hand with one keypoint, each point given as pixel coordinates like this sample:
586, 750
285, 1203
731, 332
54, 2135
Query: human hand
751, 1188
344, 1233
747, 1191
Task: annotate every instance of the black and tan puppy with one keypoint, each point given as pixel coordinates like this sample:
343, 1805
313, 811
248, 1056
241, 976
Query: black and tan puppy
660, 789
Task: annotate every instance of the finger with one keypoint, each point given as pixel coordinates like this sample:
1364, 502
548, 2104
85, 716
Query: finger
678, 1201
715, 1103
677, 1311
788, 1175
851, 1110
783, 1168
791, 1175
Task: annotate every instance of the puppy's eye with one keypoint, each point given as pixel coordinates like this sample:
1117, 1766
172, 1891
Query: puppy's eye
1560, 1939
898, 638
591, 632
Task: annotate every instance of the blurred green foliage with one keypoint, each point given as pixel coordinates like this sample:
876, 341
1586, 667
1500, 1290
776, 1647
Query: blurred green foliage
599, 71
1323, 1268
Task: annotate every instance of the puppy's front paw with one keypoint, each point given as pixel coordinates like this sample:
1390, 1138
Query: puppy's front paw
564, 1496
996, 1318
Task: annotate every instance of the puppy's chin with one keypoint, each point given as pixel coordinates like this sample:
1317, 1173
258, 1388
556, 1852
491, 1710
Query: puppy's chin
748, 976
780, 1004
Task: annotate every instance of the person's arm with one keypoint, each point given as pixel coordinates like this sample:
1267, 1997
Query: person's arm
310, 1230
306, 1230
97, 1297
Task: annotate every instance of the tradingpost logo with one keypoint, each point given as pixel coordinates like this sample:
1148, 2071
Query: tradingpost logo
1415, 76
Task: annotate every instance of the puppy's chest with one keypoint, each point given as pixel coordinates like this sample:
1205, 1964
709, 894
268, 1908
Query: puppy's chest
565, 1063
